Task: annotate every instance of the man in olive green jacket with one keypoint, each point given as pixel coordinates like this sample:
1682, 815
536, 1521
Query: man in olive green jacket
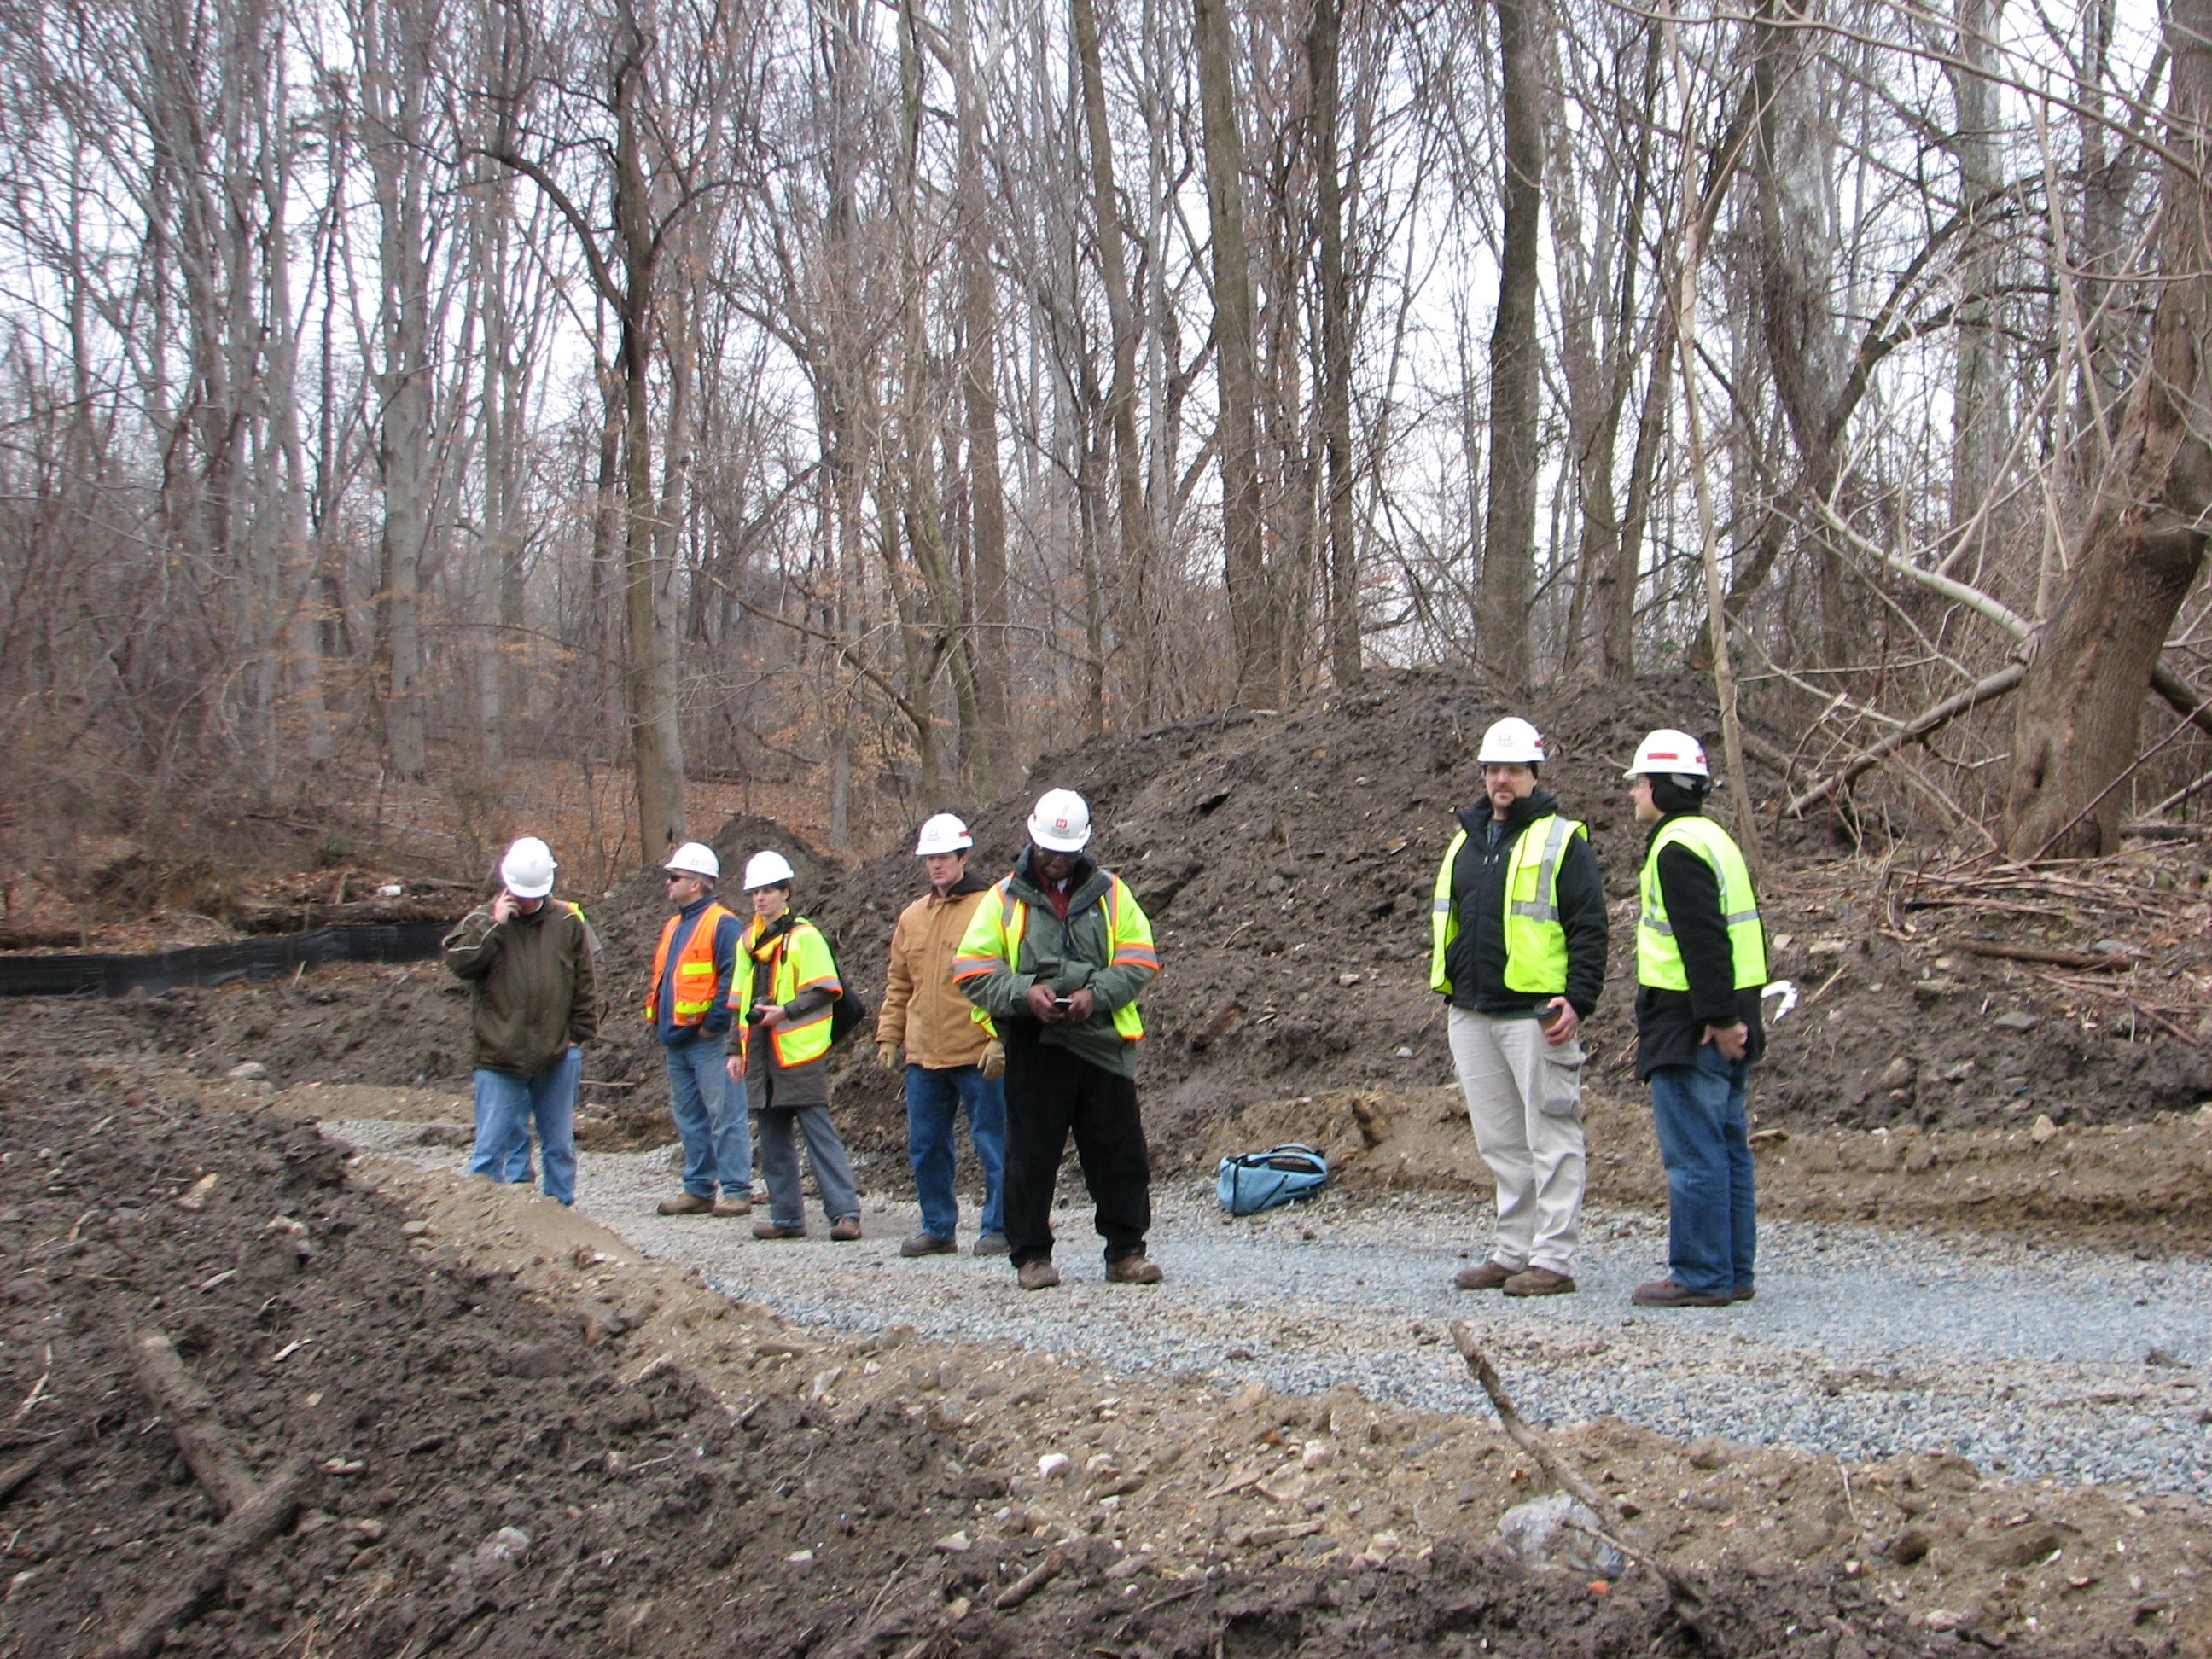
530, 962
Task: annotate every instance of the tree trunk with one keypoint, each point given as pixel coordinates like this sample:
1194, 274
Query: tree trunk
1323, 56
1508, 537
2076, 720
1253, 611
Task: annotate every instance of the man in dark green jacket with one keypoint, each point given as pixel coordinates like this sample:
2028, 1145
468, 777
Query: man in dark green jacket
1055, 955
530, 962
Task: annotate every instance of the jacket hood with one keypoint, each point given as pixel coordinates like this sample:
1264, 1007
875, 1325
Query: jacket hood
970, 882
1539, 803
1086, 882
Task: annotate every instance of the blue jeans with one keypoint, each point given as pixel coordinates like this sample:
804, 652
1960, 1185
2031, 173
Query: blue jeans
506, 1104
1705, 1142
711, 1120
934, 1100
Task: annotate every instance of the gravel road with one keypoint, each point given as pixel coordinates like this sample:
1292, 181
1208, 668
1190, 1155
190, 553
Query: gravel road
2071, 1365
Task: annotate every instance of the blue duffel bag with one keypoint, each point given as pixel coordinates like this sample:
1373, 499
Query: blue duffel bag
1260, 1181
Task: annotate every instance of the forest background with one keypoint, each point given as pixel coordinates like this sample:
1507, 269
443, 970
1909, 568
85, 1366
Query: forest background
468, 413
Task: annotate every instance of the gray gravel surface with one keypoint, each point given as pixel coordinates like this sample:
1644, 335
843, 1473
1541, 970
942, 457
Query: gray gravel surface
2072, 1365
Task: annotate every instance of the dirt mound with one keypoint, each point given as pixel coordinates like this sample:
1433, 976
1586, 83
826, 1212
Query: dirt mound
452, 1467
1287, 860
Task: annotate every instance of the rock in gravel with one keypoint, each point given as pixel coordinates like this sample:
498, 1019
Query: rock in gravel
955, 1543
1549, 1531
2044, 1129
251, 1071
1054, 1466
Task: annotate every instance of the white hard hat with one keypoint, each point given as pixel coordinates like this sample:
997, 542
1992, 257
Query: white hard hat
1060, 822
1668, 750
527, 869
695, 858
943, 834
768, 869
1511, 741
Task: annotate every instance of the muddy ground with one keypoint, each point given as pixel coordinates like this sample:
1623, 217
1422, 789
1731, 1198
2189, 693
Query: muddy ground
509, 1435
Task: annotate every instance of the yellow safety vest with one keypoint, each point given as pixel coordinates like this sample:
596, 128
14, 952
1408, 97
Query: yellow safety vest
695, 967
1658, 958
801, 962
995, 931
1535, 943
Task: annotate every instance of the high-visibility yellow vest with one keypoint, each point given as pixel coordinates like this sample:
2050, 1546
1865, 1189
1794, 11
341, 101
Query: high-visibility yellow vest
801, 961
1536, 942
1658, 958
995, 932
695, 967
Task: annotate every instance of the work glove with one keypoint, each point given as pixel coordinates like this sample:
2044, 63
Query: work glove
995, 1060
887, 1057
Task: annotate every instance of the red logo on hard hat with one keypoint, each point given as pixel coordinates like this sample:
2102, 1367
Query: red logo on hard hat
1060, 824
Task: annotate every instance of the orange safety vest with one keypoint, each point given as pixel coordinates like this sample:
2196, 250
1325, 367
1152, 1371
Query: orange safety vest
696, 973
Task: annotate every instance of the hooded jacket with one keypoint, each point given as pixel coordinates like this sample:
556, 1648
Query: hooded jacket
1476, 958
1104, 941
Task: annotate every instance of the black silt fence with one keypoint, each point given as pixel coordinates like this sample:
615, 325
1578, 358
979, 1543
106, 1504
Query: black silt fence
265, 957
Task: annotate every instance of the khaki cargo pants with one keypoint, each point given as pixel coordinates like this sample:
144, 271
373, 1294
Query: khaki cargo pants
1525, 1099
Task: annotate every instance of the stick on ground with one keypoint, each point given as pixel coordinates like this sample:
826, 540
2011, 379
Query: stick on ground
1681, 1596
184, 1406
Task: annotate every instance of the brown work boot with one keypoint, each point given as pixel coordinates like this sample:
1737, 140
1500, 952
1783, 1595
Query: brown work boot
1037, 1275
734, 1206
1488, 1277
687, 1204
1133, 1270
1538, 1281
845, 1229
770, 1230
928, 1244
1666, 1293
1744, 1291
992, 1244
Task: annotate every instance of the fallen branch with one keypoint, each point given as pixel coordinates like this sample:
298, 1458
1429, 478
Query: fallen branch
1030, 1582
1681, 1596
1928, 720
2185, 699
1984, 947
18, 1474
184, 1405
247, 1528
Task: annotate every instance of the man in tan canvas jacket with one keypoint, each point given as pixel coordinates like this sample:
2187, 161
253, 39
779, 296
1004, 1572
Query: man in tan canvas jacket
953, 1059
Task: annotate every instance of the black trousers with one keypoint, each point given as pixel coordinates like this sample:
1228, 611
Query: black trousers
1049, 1092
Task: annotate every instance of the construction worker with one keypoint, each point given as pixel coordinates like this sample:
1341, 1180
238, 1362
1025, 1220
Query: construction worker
953, 1059
530, 962
1055, 954
782, 993
1518, 944
688, 1002
1700, 962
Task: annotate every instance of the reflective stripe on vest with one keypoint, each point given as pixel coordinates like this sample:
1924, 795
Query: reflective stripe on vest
1122, 945
695, 973
800, 963
1658, 958
1535, 941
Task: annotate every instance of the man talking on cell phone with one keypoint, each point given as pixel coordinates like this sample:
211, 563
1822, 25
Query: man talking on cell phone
1055, 955
1518, 944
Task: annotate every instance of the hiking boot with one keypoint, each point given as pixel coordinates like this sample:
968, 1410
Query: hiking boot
771, 1230
760, 1192
992, 1244
1037, 1275
845, 1229
1539, 1281
687, 1204
734, 1206
1666, 1293
1133, 1270
1488, 1277
1743, 1292
928, 1244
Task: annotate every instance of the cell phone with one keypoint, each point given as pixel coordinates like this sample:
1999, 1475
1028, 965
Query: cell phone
1063, 1002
